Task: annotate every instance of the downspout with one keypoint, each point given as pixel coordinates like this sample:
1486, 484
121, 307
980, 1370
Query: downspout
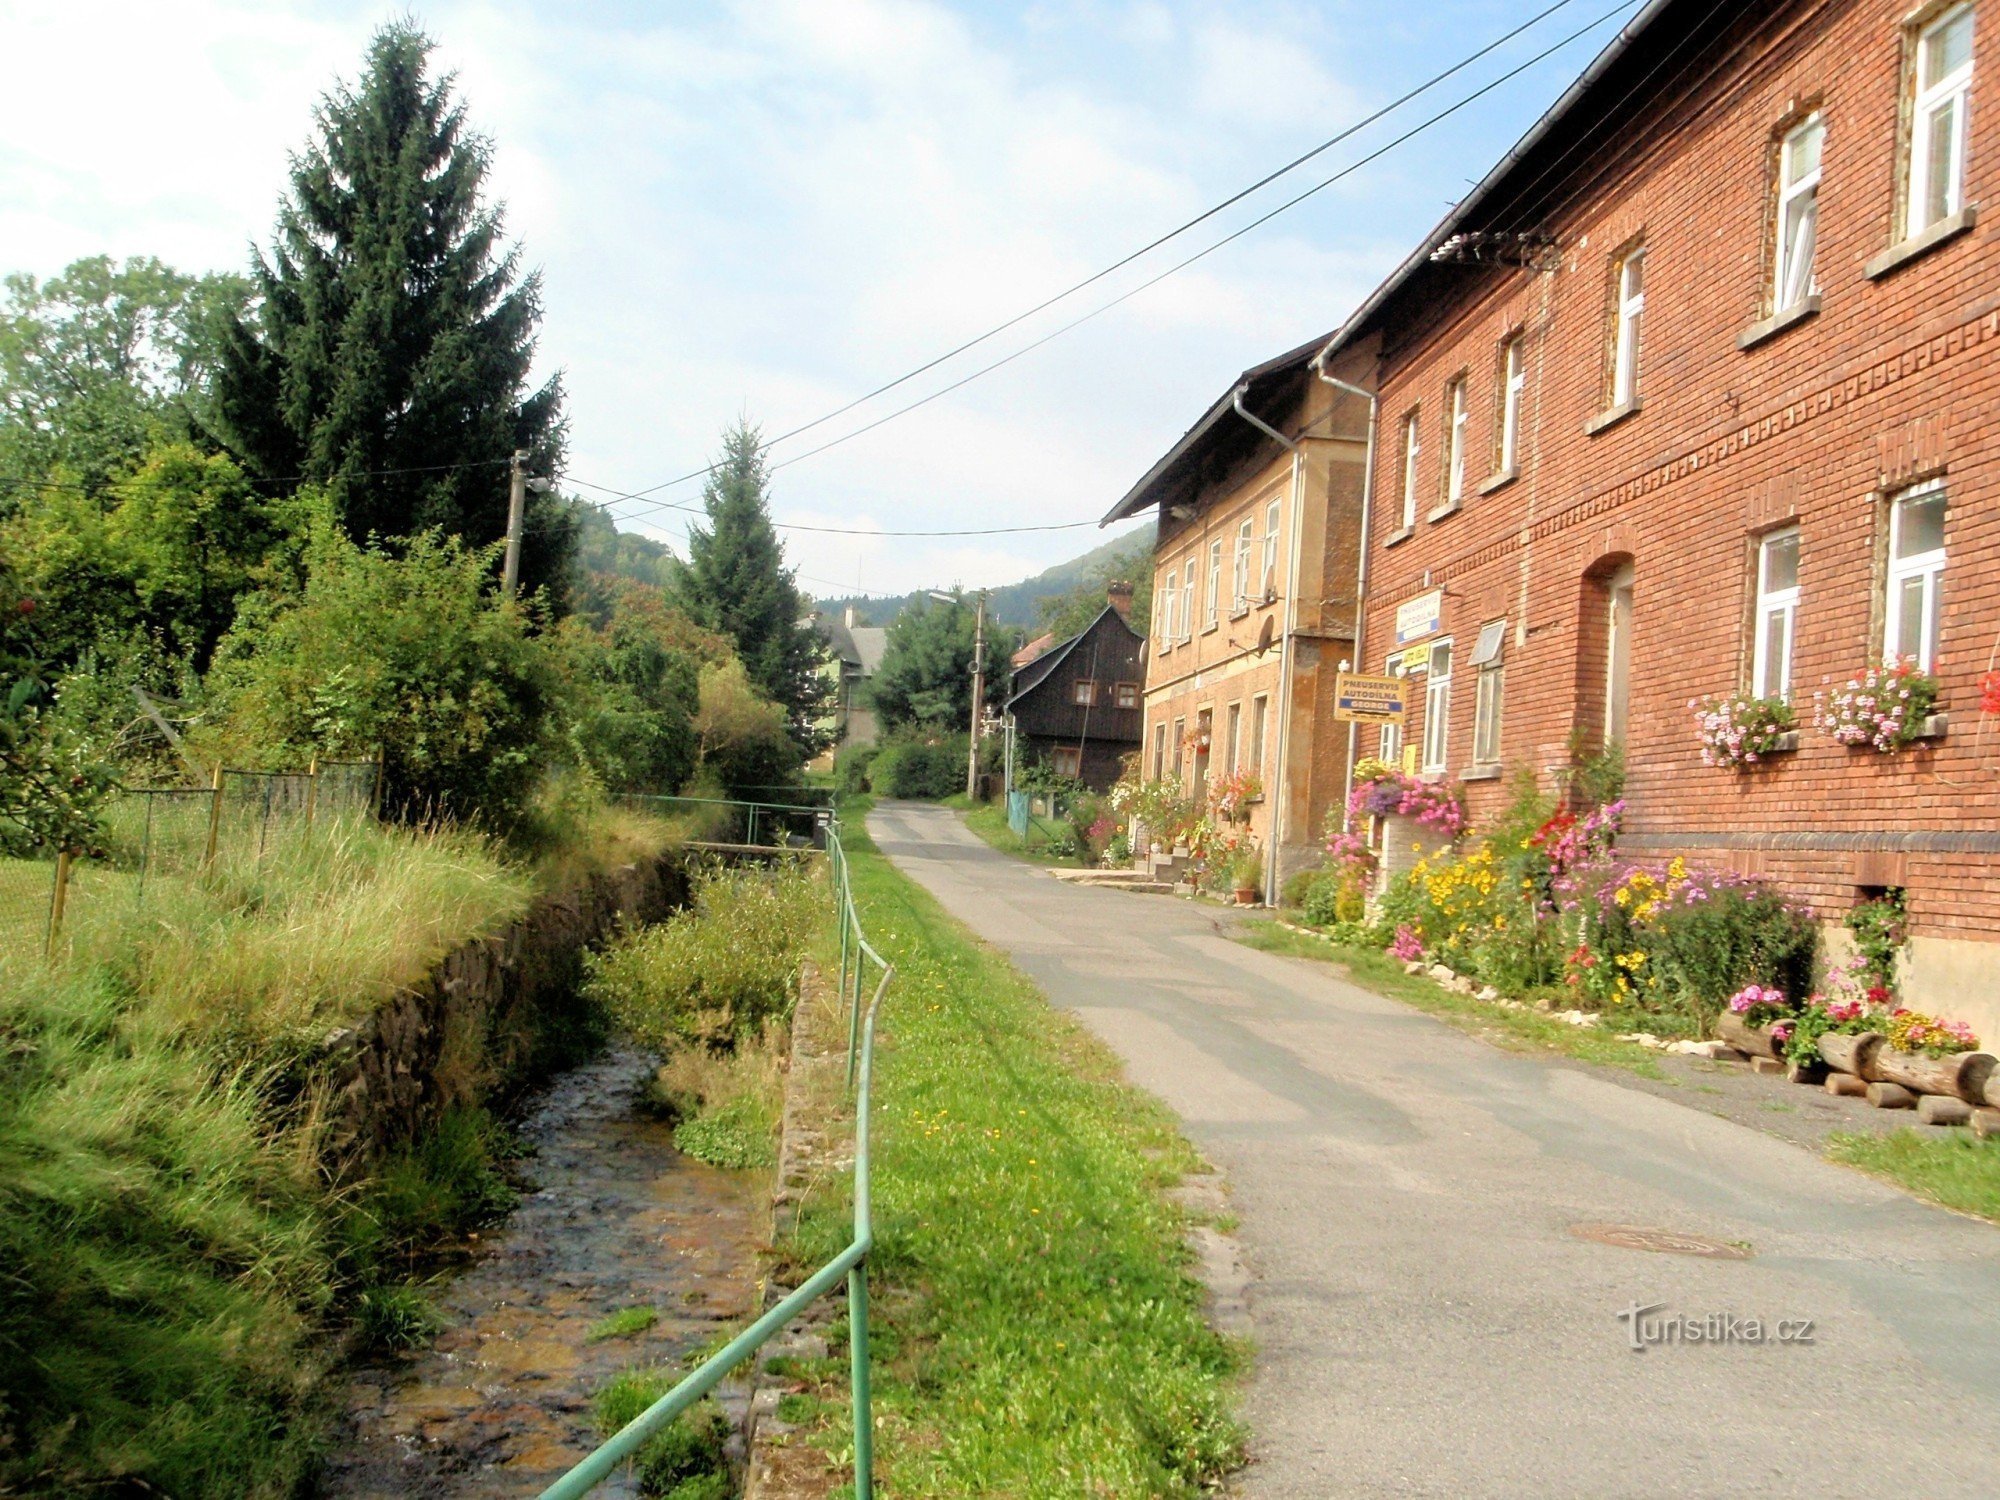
1360, 571
1279, 801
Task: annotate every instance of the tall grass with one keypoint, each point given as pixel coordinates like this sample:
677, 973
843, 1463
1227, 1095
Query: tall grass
172, 1252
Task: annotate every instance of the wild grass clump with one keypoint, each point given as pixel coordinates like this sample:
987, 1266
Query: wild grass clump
627, 1322
686, 1461
1954, 1167
319, 930
725, 1103
718, 971
166, 1259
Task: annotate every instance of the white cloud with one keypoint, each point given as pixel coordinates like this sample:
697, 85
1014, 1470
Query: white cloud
766, 207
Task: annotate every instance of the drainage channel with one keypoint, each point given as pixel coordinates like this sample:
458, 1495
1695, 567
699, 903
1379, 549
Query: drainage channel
613, 1218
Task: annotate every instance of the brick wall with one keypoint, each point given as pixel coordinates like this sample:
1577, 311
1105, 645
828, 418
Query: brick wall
1891, 381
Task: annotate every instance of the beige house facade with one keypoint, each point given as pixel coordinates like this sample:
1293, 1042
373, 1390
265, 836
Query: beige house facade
1254, 588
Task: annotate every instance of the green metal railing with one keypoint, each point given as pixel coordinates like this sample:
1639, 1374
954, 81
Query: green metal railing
856, 955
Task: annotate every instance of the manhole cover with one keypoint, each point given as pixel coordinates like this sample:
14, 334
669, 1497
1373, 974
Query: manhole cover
1663, 1241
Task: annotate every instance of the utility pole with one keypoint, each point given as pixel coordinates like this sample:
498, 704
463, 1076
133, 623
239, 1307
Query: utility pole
517, 501
978, 697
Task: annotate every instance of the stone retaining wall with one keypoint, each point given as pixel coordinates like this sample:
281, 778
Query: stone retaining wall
489, 1012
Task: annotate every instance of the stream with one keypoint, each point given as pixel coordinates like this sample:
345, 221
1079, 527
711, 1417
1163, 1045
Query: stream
611, 1217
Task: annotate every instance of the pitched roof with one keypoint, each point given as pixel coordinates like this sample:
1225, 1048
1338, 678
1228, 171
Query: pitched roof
1219, 439
1620, 80
1033, 649
1037, 671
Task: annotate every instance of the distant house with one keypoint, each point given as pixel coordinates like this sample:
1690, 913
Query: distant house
856, 655
1039, 646
1080, 704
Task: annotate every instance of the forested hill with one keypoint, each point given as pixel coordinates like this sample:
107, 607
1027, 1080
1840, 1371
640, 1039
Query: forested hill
1012, 604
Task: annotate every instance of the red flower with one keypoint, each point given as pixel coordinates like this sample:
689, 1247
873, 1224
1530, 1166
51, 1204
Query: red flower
26, 607
1879, 995
1989, 693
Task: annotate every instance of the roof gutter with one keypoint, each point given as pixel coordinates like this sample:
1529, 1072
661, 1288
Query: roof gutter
1280, 800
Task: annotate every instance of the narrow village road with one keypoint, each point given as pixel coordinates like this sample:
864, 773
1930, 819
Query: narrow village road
1426, 1320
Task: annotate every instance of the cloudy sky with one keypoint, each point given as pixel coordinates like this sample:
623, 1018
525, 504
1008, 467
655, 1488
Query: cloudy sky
765, 209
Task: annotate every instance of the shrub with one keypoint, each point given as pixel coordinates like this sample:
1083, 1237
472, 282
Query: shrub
1880, 927
410, 651
716, 972
851, 764
919, 765
1717, 934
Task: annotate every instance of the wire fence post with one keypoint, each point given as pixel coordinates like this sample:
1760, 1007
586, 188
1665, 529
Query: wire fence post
381, 779
312, 789
214, 821
58, 899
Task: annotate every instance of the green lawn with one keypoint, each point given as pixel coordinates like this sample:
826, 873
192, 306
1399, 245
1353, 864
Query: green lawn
989, 821
1524, 1029
1951, 1167
1038, 1328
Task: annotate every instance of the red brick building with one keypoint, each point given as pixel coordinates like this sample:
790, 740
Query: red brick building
1691, 394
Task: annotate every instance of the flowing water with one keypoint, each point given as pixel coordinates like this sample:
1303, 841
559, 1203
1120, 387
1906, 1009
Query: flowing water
613, 1217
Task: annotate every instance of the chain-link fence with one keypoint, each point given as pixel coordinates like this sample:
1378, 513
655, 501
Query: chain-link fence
150, 834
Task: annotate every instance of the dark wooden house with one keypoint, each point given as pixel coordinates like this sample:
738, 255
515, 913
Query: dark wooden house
1079, 707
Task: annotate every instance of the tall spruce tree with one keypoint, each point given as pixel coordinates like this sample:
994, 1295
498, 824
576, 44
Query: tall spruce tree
387, 356
735, 581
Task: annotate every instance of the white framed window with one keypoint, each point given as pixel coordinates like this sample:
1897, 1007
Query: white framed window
1159, 751
1412, 448
1083, 693
1630, 290
1513, 384
1125, 695
1214, 613
1798, 212
1180, 744
1273, 514
1777, 613
1260, 713
1943, 79
1170, 603
1916, 575
1437, 707
1454, 441
1246, 534
1487, 692
1187, 597
1389, 744
1232, 742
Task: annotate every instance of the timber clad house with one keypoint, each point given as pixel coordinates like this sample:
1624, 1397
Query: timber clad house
1692, 394
1075, 706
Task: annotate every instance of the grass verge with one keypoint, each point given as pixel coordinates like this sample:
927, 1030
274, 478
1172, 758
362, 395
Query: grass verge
989, 821
1521, 1029
1953, 1168
1036, 1327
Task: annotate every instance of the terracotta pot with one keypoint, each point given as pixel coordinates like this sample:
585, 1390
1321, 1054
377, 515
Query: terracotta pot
1246, 895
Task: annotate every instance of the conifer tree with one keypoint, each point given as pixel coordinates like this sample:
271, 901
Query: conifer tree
387, 356
735, 581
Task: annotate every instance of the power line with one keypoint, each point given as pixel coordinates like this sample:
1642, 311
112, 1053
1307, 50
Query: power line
696, 510
1265, 218
1298, 161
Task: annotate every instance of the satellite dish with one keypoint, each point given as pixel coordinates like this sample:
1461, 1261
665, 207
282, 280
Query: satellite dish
1264, 635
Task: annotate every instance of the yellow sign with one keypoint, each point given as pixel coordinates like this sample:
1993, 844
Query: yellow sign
1367, 700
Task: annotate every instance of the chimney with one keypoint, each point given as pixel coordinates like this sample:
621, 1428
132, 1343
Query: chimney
1120, 595
849, 620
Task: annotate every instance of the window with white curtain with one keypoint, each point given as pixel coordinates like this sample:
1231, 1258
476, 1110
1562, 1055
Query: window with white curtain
1437, 707
1943, 79
1246, 534
1777, 613
1630, 312
1916, 575
1798, 212
1187, 597
1513, 383
1214, 612
1454, 441
1273, 513
1171, 601
1411, 450
1487, 692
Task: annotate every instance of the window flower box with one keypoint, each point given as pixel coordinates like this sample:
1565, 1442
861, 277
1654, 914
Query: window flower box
1883, 709
1739, 730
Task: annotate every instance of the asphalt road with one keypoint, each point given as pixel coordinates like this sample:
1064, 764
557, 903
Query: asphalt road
1427, 1320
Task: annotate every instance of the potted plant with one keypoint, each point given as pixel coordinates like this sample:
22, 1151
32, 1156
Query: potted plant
1246, 870
1885, 708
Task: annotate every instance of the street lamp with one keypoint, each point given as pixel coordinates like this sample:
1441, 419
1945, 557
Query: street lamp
978, 687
